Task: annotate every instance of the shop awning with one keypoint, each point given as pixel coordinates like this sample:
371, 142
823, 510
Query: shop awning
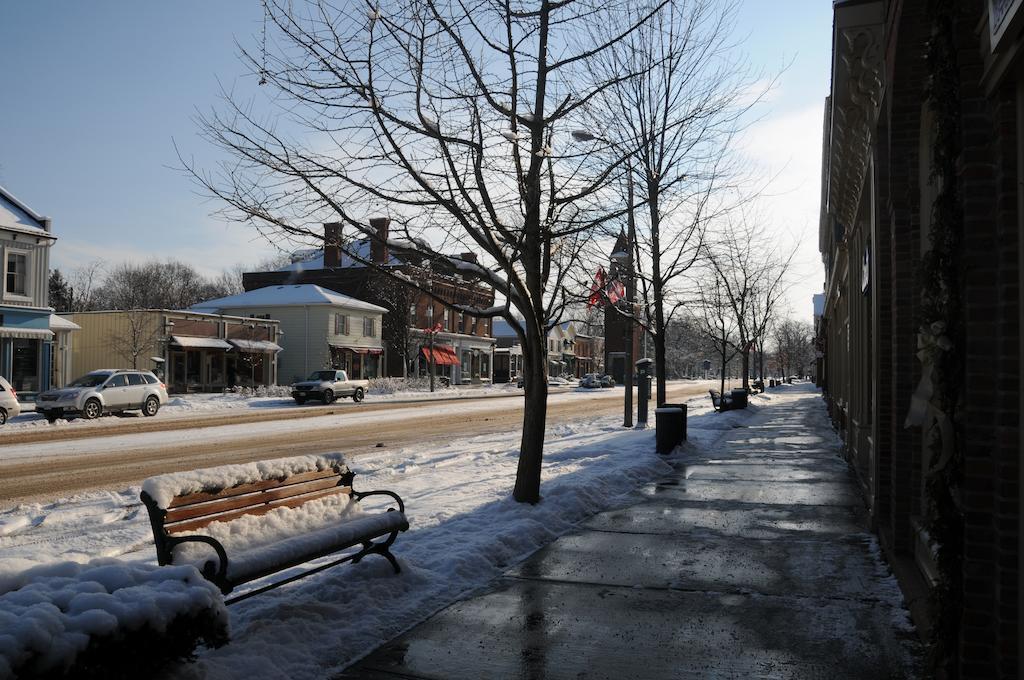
359, 350
444, 355
25, 333
264, 346
199, 343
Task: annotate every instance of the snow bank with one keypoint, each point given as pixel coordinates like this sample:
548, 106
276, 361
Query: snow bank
56, 616
164, 488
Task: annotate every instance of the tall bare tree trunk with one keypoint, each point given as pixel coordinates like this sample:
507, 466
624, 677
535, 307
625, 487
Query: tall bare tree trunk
535, 413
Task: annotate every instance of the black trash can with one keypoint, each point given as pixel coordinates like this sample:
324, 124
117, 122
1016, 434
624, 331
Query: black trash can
682, 420
739, 398
771, 382
667, 436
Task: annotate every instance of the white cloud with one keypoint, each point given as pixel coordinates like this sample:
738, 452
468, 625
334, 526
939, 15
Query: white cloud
787, 148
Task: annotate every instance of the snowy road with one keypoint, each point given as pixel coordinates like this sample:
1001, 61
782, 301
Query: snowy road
44, 470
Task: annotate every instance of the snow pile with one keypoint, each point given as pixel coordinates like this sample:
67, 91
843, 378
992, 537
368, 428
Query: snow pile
164, 488
68, 618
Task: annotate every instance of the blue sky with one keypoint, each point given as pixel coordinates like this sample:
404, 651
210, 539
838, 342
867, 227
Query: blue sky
95, 94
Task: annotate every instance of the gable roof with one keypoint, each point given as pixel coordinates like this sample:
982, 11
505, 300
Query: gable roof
17, 216
287, 296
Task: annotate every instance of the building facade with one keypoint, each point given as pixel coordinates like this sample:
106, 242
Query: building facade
358, 271
318, 329
26, 341
190, 351
918, 331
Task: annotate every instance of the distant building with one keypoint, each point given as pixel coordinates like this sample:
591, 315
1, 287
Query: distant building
318, 328
462, 348
617, 326
191, 351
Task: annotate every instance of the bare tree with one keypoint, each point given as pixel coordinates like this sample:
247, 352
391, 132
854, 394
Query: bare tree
751, 268
446, 117
84, 281
678, 120
139, 335
718, 322
794, 346
152, 285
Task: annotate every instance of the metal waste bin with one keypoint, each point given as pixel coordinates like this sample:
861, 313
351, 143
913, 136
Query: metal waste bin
739, 398
668, 434
682, 420
771, 383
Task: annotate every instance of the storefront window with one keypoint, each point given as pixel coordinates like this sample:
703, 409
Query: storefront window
192, 369
25, 371
485, 365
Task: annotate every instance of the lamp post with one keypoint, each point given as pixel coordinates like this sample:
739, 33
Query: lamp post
625, 260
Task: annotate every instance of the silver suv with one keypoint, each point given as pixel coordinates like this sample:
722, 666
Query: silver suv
106, 391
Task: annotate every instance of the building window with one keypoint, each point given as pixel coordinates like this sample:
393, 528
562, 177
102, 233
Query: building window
445, 319
369, 329
17, 274
341, 324
412, 315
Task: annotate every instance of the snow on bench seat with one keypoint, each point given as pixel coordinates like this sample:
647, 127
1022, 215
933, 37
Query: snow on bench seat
240, 523
164, 488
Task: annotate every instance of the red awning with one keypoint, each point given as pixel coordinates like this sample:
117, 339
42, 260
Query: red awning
444, 355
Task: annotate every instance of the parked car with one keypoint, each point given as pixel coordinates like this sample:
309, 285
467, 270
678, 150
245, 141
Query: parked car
328, 386
113, 390
10, 407
607, 381
591, 381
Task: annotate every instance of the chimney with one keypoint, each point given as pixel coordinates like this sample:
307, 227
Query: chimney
378, 245
468, 257
332, 245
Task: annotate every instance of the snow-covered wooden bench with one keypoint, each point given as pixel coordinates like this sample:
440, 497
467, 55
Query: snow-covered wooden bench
240, 523
719, 402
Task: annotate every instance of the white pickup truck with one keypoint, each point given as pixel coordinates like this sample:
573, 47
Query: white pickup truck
328, 386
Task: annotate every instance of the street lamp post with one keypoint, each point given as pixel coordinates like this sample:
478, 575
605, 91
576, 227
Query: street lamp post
624, 260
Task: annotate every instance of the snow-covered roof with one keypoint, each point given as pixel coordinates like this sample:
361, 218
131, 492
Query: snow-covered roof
286, 296
501, 328
59, 323
313, 258
17, 216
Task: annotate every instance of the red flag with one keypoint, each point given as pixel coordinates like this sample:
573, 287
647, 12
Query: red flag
616, 291
596, 287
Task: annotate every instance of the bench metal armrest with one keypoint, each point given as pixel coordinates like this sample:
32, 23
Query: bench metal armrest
360, 495
220, 576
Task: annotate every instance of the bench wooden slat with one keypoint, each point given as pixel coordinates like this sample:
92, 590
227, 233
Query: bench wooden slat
253, 499
241, 489
289, 502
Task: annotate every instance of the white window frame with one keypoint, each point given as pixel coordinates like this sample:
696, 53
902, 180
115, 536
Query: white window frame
369, 321
27, 295
341, 324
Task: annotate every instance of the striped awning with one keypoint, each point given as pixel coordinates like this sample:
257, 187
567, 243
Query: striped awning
358, 350
264, 346
444, 355
25, 333
199, 343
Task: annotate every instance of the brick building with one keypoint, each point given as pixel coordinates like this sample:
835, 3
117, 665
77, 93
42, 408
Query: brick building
463, 347
920, 327
616, 326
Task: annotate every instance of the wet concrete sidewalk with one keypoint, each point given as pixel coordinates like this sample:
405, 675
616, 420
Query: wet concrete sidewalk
752, 561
